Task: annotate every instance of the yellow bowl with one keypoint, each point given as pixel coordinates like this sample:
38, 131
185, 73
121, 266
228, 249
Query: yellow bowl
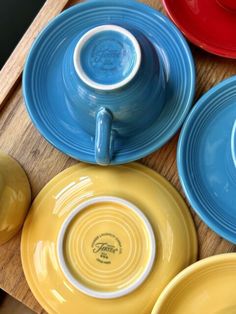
15, 197
205, 287
105, 238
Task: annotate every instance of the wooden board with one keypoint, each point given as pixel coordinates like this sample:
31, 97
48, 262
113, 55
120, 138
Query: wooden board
42, 162
11, 72
10, 305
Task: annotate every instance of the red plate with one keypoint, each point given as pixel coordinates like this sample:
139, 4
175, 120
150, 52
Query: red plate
210, 24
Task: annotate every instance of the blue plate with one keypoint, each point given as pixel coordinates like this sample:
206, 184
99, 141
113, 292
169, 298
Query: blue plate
206, 158
43, 82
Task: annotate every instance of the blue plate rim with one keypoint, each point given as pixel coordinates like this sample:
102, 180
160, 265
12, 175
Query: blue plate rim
201, 212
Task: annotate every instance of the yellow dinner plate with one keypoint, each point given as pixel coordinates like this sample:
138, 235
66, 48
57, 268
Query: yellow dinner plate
15, 197
206, 287
106, 240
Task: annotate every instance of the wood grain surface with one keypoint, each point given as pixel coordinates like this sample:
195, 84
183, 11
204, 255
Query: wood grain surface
42, 162
11, 72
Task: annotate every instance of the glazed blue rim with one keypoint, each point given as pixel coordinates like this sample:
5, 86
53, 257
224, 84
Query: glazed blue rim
181, 154
126, 157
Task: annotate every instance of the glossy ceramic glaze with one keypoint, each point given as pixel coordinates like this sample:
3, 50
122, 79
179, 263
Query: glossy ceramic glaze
153, 104
133, 106
208, 24
228, 4
15, 197
164, 209
206, 155
122, 249
107, 57
207, 286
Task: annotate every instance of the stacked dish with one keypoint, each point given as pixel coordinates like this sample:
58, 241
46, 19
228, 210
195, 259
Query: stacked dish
208, 24
15, 197
207, 286
105, 93
206, 158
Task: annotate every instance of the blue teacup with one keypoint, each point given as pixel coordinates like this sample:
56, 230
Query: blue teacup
114, 85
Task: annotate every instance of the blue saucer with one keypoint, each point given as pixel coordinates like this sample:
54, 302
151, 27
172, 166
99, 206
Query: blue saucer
206, 159
44, 90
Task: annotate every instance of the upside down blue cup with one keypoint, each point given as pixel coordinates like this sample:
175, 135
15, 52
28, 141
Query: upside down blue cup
114, 85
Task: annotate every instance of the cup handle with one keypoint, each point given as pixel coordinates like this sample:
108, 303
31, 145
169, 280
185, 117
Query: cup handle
103, 137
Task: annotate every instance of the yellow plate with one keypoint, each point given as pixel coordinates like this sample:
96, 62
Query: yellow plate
208, 286
15, 197
76, 251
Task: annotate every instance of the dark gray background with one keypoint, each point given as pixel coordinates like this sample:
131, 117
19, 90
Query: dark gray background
15, 18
